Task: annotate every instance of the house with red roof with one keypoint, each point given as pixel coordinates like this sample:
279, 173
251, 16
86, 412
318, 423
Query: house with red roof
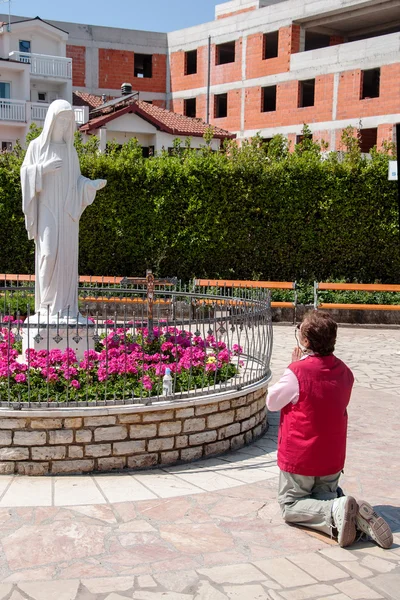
120, 119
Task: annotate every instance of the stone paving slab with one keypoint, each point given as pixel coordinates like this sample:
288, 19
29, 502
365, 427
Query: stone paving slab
212, 530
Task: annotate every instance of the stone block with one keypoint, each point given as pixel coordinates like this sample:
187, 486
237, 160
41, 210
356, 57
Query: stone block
128, 419
189, 454
170, 428
168, 458
96, 450
220, 419
105, 434
142, 431
7, 468
29, 438
73, 423
33, 468
191, 425
202, 438
217, 448
250, 398
132, 447
237, 442
99, 421
261, 393
63, 436
228, 431
46, 423
12, 423
83, 436
152, 417
254, 408
5, 438
184, 413
107, 464
160, 444
142, 462
207, 409
49, 453
248, 437
238, 402
72, 466
249, 424
225, 405
75, 452
243, 413
14, 453
181, 441
262, 402
257, 431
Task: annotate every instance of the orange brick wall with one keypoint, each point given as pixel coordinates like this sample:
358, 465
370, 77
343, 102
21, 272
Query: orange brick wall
385, 132
180, 81
229, 72
232, 121
349, 103
236, 12
117, 67
78, 55
287, 111
256, 66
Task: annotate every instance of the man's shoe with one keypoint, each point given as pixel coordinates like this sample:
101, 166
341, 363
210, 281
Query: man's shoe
344, 512
369, 522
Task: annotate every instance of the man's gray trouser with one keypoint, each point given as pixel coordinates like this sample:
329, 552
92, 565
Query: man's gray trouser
308, 501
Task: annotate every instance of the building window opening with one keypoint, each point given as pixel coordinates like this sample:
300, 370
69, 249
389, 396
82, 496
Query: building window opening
191, 62
368, 139
5, 90
42, 96
143, 65
301, 137
370, 83
221, 106
6, 146
225, 53
314, 41
189, 107
306, 93
270, 45
268, 99
25, 46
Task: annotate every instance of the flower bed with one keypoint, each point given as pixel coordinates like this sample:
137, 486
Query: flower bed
126, 363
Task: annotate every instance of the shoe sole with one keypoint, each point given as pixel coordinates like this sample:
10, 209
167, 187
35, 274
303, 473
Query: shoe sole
349, 532
378, 529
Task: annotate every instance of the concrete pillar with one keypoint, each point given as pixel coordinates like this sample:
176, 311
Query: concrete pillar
103, 139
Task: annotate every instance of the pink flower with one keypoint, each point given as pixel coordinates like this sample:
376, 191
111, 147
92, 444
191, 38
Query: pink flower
75, 384
20, 378
147, 383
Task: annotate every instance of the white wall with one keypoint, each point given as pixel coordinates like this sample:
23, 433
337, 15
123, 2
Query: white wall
18, 80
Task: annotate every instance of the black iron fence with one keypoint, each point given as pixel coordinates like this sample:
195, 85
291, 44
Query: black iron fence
140, 341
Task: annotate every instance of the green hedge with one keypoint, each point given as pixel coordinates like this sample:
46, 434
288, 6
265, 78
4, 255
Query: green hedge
250, 213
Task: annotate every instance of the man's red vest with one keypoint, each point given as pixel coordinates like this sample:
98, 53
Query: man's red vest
312, 432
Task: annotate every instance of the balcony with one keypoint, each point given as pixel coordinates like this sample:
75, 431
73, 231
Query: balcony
43, 65
39, 111
13, 111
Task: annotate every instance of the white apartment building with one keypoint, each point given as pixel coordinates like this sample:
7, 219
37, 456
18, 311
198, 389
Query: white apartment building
34, 71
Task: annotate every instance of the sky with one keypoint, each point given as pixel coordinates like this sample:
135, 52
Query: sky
150, 15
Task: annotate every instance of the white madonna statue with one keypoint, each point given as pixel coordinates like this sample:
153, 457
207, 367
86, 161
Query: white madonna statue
54, 196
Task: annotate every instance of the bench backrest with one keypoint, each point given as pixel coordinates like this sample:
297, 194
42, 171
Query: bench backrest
238, 283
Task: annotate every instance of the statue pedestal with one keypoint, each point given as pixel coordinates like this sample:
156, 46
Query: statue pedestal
77, 334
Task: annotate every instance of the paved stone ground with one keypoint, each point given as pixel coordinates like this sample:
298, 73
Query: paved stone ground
212, 531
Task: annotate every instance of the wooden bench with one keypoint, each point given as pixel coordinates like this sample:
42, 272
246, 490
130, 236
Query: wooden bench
354, 287
242, 284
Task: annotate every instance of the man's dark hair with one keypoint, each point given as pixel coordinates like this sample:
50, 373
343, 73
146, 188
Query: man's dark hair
320, 330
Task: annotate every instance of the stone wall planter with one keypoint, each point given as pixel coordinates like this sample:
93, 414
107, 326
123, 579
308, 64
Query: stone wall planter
84, 440
356, 317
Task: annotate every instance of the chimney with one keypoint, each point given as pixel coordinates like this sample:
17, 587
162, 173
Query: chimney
103, 98
126, 88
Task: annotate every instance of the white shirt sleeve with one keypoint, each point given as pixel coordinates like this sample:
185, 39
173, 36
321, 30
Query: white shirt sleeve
283, 392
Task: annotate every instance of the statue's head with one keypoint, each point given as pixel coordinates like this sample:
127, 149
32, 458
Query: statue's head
59, 123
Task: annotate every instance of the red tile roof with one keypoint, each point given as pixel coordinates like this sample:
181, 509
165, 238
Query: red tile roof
90, 100
162, 119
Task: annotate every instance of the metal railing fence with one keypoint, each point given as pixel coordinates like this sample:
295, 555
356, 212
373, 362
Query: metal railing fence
132, 333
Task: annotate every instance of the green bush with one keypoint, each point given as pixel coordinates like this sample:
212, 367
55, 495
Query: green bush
249, 213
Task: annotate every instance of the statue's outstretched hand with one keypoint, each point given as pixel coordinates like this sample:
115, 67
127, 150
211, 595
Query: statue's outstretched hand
54, 164
98, 184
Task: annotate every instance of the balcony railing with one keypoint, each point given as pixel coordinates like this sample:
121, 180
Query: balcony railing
45, 66
39, 111
12, 110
